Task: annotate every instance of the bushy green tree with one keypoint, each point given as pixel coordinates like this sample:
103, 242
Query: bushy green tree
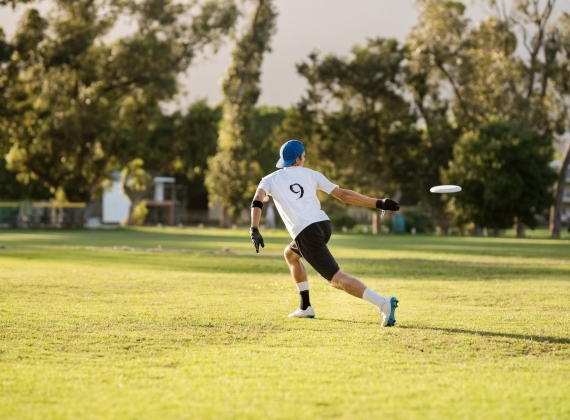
180, 144
233, 172
481, 65
80, 106
13, 3
265, 151
503, 170
439, 132
356, 123
560, 73
436, 46
10, 188
200, 126
176, 145
418, 220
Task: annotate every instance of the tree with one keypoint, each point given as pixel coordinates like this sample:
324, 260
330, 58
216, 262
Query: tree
480, 64
135, 182
200, 125
175, 145
503, 170
13, 3
477, 64
561, 75
424, 82
436, 46
457, 76
264, 149
76, 94
356, 123
201, 129
10, 188
233, 173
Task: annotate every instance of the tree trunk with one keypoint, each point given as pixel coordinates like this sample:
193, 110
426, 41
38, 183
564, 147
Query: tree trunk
225, 219
135, 199
442, 222
134, 203
477, 231
520, 228
559, 186
376, 222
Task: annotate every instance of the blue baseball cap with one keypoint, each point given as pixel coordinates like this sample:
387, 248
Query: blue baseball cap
289, 152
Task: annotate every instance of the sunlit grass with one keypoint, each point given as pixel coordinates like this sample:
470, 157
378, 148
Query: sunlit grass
190, 323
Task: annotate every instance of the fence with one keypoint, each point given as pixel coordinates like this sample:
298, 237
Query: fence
50, 214
8, 213
41, 214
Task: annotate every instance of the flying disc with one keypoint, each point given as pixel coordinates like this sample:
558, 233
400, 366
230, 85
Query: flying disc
441, 189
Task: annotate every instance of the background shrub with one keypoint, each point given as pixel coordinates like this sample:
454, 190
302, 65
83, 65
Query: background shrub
419, 220
341, 219
139, 213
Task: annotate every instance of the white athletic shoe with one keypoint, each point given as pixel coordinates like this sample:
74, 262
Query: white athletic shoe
307, 313
388, 311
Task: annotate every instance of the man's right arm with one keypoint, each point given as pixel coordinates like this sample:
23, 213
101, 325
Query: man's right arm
352, 197
260, 196
256, 207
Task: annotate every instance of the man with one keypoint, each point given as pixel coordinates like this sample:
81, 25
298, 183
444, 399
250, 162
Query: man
294, 190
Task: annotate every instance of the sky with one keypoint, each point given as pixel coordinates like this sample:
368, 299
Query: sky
303, 26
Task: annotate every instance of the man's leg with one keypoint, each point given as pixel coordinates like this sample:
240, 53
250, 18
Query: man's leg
355, 287
298, 270
350, 285
299, 274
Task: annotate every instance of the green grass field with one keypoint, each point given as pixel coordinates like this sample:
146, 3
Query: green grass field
192, 324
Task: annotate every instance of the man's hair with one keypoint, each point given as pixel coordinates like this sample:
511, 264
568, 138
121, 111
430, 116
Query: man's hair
293, 164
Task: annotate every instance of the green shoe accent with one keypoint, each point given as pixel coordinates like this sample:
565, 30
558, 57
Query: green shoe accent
393, 306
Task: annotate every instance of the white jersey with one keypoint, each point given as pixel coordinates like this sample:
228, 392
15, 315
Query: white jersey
294, 190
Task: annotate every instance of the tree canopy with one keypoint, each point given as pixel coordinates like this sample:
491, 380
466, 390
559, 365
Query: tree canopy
233, 172
80, 107
388, 118
503, 170
358, 126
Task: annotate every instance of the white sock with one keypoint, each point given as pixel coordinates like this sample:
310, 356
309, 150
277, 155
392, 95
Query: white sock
304, 285
373, 297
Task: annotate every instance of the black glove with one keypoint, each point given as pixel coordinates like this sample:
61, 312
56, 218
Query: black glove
256, 238
387, 204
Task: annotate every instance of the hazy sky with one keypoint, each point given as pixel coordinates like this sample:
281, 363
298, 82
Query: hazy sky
302, 27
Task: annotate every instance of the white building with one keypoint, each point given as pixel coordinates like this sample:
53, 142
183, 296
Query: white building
116, 203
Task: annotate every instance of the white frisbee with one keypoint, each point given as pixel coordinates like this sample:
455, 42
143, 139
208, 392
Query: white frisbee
441, 189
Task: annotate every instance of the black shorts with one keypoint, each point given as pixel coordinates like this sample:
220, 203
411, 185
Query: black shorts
311, 244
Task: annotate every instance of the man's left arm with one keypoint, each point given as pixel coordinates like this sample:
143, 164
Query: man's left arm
352, 197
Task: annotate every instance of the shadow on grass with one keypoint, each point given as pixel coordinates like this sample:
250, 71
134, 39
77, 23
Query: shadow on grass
526, 337
538, 338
